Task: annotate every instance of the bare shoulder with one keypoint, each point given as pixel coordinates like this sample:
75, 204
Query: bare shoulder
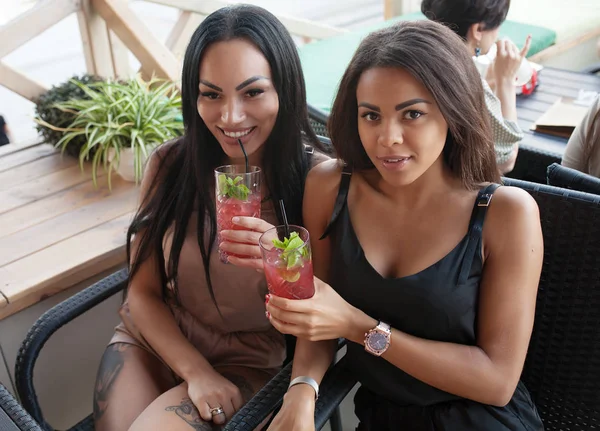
320, 191
512, 202
158, 163
513, 213
163, 153
318, 157
324, 177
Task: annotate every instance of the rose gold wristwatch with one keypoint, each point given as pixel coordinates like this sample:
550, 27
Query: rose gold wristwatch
377, 340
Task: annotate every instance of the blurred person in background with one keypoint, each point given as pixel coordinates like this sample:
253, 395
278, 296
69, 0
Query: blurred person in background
5, 137
477, 22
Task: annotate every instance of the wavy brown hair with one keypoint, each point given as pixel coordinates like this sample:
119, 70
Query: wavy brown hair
435, 56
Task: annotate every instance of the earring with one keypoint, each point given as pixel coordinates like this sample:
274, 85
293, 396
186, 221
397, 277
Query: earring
477, 52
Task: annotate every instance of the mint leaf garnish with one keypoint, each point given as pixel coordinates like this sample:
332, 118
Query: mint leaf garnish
292, 260
279, 244
293, 252
295, 242
231, 187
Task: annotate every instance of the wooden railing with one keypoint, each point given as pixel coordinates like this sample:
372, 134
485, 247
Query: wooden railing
110, 28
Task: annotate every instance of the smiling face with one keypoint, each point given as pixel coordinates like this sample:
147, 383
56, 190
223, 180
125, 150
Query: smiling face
237, 99
400, 126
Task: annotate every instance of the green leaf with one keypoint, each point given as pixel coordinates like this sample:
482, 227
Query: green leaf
99, 115
295, 242
293, 250
292, 260
222, 183
231, 188
279, 244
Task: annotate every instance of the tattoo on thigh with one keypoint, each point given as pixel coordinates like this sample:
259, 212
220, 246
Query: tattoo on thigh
189, 413
112, 364
241, 382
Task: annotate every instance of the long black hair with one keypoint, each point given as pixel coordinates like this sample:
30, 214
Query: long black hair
185, 178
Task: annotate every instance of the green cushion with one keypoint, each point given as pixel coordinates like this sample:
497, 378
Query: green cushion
325, 61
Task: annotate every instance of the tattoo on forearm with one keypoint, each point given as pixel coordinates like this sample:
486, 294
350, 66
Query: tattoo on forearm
112, 364
189, 413
245, 388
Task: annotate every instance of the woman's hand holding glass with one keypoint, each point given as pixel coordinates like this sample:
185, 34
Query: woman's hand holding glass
245, 242
325, 316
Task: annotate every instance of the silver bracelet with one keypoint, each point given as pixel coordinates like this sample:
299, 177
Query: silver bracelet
307, 381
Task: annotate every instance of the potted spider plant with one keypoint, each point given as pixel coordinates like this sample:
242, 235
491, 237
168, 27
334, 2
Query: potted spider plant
47, 114
122, 122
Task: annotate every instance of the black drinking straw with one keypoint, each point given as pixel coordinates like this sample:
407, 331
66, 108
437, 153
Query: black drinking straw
286, 226
245, 155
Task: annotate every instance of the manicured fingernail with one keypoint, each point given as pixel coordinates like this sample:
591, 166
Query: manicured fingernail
235, 219
267, 298
268, 315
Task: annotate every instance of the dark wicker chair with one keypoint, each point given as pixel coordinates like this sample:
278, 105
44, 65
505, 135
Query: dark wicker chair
12, 415
531, 164
562, 369
45, 327
561, 176
318, 121
256, 410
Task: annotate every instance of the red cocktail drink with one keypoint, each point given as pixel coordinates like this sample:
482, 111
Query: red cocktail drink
237, 195
288, 262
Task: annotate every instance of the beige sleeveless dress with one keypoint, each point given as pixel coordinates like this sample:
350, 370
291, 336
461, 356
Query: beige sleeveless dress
244, 336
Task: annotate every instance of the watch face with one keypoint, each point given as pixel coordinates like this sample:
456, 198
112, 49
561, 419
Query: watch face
377, 341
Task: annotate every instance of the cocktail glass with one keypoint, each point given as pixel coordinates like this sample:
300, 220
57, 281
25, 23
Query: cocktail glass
289, 270
237, 194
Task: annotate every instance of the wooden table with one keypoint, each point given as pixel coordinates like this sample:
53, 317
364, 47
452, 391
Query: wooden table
538, 150
56, 228
554, 83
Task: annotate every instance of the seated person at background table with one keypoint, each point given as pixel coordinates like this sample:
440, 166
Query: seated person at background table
4, 132
583, 149
406, 248
194, 343
478, 23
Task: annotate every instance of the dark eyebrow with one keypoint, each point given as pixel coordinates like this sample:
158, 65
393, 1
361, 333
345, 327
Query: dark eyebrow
398, 107
411, 102
369, 106
249, 81
213, 86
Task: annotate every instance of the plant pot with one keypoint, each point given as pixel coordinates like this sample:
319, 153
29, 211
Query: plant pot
125, 166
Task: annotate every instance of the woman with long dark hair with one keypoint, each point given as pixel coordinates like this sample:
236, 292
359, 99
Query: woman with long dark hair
194, 343
477, 22
432, 267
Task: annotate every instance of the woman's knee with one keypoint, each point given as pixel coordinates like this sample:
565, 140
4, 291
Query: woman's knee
173, 410
129, 379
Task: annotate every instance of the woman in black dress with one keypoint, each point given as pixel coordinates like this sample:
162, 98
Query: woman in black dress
437, 306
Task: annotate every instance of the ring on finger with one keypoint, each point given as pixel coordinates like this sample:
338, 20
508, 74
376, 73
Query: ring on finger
217, 411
